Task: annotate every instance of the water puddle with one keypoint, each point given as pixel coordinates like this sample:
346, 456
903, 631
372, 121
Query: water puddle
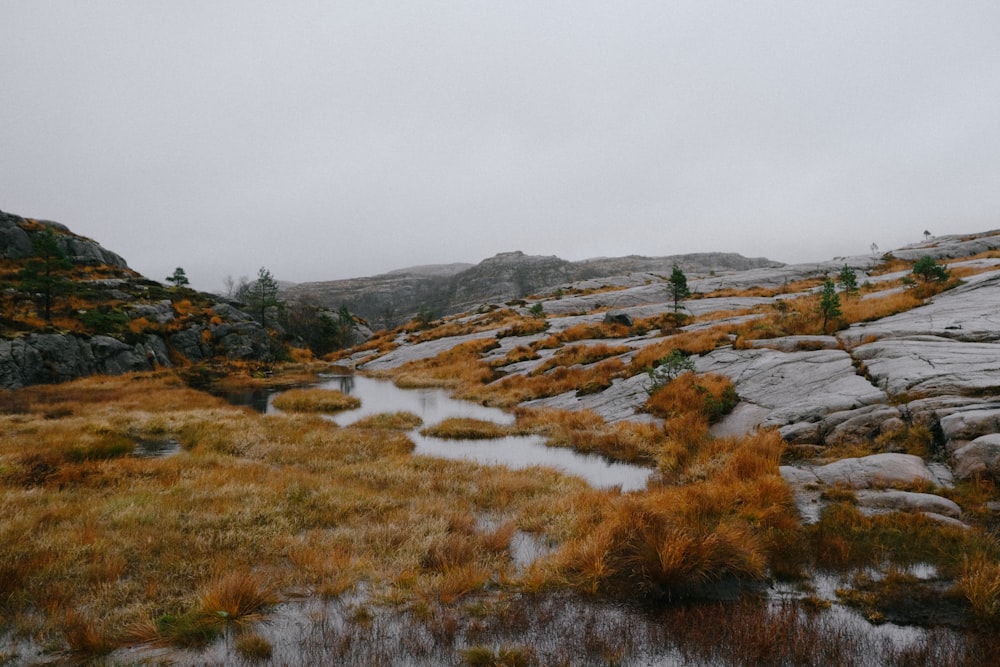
435, 405
151, 448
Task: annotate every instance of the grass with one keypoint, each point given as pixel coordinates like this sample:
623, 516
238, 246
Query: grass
392, 421
315, 400
253, 508
466, 428
706, 395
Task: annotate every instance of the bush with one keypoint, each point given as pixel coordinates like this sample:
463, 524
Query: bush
668, 369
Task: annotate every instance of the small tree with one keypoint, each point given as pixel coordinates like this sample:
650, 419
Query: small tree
677, 287
263, 295
927, 269
179, 278
668, 369
848, 279
829, 302
41, 274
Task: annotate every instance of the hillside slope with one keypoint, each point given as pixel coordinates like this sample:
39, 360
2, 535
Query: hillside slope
906, 377
72, 308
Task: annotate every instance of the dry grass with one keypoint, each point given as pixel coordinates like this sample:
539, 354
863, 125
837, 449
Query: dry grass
580, 355
98, 552
466, 428
596, 330
503, 319
514, 389
708, 396
584, 431
393, 421
678, 541
315, 400
458, 367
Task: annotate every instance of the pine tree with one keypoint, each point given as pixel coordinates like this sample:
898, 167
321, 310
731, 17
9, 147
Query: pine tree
829, 302
849, 279
41, 274
677, 287
179, 278
263, 295
927, 269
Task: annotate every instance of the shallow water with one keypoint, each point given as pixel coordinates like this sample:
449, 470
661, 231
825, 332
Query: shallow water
435, 405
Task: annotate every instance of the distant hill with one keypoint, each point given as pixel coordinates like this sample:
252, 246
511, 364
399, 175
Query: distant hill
391, 298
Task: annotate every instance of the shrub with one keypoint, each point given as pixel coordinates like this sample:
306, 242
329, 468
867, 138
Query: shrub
708, 396
669, 368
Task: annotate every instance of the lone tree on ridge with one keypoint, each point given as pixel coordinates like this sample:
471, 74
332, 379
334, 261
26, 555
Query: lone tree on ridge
178, 278
677, 287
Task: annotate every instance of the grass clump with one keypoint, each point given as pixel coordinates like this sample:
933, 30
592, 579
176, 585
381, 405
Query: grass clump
315, 400
709, 396
680, 541
253, 647
391, 421
466, 428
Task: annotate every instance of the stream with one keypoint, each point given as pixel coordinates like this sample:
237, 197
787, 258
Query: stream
435, 405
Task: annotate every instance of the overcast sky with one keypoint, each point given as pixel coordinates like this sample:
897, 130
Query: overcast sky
327, 139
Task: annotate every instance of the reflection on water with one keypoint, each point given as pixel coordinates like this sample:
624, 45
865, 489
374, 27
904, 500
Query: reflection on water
435, 405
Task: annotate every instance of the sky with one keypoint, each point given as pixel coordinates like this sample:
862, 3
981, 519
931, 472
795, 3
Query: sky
328, 139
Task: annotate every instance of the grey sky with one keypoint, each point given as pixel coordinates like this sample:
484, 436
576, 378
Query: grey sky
328, 139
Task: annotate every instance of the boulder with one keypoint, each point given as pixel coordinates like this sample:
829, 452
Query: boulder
796, 343
981, 457
861, 425
907, 501
618, 317
876, 470
963, 426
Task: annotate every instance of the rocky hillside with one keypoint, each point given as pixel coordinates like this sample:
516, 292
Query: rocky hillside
72, 308
897, 398
391, 298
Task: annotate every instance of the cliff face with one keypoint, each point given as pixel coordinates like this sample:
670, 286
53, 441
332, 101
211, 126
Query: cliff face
391, 298
89, 313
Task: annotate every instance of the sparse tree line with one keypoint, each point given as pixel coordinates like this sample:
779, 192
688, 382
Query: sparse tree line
303, 321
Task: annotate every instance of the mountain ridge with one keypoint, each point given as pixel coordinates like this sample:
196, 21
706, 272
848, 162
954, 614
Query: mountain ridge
388, 299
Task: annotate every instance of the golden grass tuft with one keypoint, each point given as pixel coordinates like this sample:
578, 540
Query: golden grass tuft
708, 395
392, 421
580, 355
979, 583
458, 367
513, 389
585, 431
315, 400
466, 428
237, 596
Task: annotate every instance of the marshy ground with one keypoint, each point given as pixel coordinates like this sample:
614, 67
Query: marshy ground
272, 538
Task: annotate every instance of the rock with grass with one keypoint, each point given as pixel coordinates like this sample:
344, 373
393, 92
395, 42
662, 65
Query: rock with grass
979, 458
876, 470
793, 387
907, 501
